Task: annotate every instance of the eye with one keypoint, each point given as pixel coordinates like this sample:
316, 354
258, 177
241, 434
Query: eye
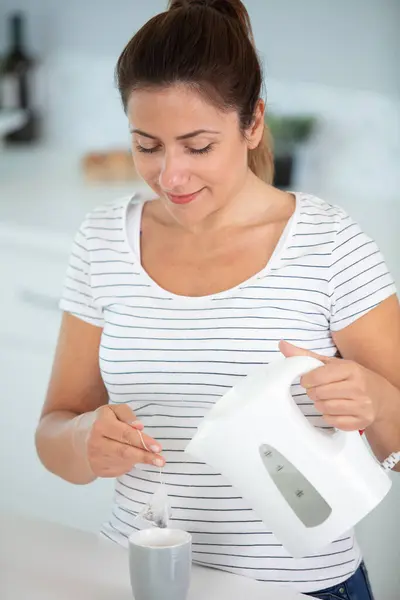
140, 148
201, 150
145, 150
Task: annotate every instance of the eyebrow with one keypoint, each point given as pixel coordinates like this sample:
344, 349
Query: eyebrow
186, 136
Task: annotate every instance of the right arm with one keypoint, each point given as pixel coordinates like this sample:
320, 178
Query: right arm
79, 436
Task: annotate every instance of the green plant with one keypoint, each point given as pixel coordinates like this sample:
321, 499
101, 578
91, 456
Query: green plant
288, 131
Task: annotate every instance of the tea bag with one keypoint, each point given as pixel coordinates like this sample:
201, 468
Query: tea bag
157, 510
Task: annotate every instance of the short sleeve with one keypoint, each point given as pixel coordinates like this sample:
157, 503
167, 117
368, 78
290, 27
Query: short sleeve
359, 279
77, 297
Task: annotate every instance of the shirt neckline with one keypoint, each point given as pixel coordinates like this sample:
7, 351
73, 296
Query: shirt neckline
134, 253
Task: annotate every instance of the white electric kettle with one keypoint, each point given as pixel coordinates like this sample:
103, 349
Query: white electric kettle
309, 486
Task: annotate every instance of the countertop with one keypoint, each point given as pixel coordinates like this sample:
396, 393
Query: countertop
48, 561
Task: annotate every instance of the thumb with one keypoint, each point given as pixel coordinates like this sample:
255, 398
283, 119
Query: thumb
289, 350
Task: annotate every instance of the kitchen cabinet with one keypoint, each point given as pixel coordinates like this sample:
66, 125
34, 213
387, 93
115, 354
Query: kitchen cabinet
32, 277
27, 487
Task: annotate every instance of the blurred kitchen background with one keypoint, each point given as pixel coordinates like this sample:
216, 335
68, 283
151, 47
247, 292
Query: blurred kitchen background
333, 94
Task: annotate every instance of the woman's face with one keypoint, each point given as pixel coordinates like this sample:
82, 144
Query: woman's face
191, 154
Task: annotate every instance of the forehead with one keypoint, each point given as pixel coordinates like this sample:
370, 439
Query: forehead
176, 110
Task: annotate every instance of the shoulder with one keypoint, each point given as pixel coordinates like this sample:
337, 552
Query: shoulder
329, 233
318, 217
356, 272
108, 216
317, 211
102, 232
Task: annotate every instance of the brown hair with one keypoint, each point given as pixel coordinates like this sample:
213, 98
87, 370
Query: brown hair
209, 45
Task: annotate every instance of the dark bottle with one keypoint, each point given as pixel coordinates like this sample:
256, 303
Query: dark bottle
16, 81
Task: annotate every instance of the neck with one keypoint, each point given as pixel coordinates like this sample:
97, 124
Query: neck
249, 206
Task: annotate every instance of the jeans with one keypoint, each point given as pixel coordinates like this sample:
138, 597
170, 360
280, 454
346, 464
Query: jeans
357, 587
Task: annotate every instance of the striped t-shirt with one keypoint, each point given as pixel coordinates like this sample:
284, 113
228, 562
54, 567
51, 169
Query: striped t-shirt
171, 357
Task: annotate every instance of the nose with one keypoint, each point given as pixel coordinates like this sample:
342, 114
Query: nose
173, 173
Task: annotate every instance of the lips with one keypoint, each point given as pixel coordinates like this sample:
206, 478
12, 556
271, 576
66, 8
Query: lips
183, 198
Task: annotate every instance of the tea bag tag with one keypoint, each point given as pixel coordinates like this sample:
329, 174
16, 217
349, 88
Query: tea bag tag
157, 509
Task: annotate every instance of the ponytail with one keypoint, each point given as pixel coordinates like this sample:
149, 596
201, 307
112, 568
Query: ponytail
261, 159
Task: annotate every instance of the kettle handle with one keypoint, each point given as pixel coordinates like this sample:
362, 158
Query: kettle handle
294, 367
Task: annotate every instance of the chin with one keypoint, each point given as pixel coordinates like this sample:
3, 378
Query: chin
189, 214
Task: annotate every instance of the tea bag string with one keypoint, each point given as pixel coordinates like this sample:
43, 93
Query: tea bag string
146, 448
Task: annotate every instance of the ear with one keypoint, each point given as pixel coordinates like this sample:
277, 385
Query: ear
255, 132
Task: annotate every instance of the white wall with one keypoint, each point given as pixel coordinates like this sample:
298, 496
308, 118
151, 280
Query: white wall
346, 44
351, 44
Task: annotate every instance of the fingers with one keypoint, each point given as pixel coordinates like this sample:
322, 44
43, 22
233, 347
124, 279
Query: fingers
345, 423
117, 442
113, 459
125, 434
331, 391
338, 408
133, 455
119, 424
123, 413
289, 350
332, 372
340, 398
338, 390
337, 411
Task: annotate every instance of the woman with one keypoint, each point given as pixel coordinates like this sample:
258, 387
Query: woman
183, 295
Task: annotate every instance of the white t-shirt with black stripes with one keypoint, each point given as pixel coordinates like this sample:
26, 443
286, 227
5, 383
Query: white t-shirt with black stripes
171, 357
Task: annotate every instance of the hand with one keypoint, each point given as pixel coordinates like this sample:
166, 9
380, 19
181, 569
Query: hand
113, 444
344, 392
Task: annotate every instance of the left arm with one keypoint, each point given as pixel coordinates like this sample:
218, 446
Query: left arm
362, 389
